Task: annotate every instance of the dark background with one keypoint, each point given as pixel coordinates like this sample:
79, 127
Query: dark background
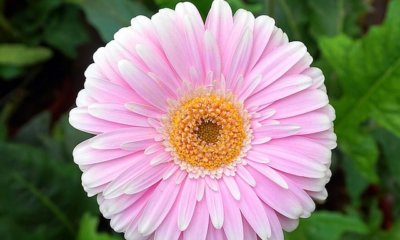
45, 46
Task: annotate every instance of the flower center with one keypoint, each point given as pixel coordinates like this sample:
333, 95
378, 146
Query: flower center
207, 132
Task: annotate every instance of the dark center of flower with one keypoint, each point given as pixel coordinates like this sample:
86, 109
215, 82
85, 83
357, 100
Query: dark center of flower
208, 131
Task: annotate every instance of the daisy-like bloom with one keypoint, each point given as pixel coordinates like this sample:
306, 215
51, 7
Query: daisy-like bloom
215, 130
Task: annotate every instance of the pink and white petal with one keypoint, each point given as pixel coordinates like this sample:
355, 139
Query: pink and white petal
215, 234
278, 62
288, 224
309, 184
144, 85
319, 196
94, 71
305, 200
169, 28
110, 207
135, 179
303, 146
84, 154
280, 89
104, 91
220, 22
158, 64
187, 203
303, 64
215, 207
168, 228
198, 226
80, 119
116, 139
158, 206
237, 50
312, 122
245, 175
253, 211
316, 75
299, 103
277, 39
146, 179
233, 225
276, 228
283, 200
105, 172
212, 57
263, 28
232, 186
326, 138
106, 66
276, 131
83, 99
120, 221
270, 173
117, 113
144, 110
248, 232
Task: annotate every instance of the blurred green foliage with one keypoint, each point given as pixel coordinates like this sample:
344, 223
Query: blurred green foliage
41, 195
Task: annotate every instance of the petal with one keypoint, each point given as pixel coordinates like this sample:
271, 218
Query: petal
198, 226
299, 103
158, 206
117, 113
253, 210
80, 119
187, 203
282, 200
220, 22
215, 207
168, 228
269, 173
282, 88
278, 62
143, 85
233, 226
232, 186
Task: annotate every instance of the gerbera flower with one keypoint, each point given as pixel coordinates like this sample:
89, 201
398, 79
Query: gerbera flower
215, 130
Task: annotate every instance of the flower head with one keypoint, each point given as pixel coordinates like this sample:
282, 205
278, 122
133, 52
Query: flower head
215, 130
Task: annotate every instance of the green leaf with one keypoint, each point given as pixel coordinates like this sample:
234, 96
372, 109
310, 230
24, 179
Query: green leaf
390, 145
355, 182
327, 226
368, 71
44, 198
327, 17
363, 151
88, 230
20, 55
65, 31
35, 130
10, 72
109, 16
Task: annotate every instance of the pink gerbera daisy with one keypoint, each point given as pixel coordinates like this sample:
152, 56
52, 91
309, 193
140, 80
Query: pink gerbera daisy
215, 130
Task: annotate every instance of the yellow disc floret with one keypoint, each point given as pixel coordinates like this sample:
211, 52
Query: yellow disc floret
207, 131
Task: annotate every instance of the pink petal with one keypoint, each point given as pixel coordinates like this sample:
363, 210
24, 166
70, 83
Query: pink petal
168, 228
269, 173
232, 186
283, 200
311, 122
80, 119
215, 207
263, 28
220, 22
212, 55
143, 85
299, 103
253, 210
198, 226
233, 226
117, 113
187, 203
158, 206
276, 229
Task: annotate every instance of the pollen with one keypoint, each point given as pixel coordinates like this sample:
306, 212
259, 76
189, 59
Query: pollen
207, 132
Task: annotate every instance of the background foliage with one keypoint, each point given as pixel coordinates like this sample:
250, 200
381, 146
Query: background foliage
45, 45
